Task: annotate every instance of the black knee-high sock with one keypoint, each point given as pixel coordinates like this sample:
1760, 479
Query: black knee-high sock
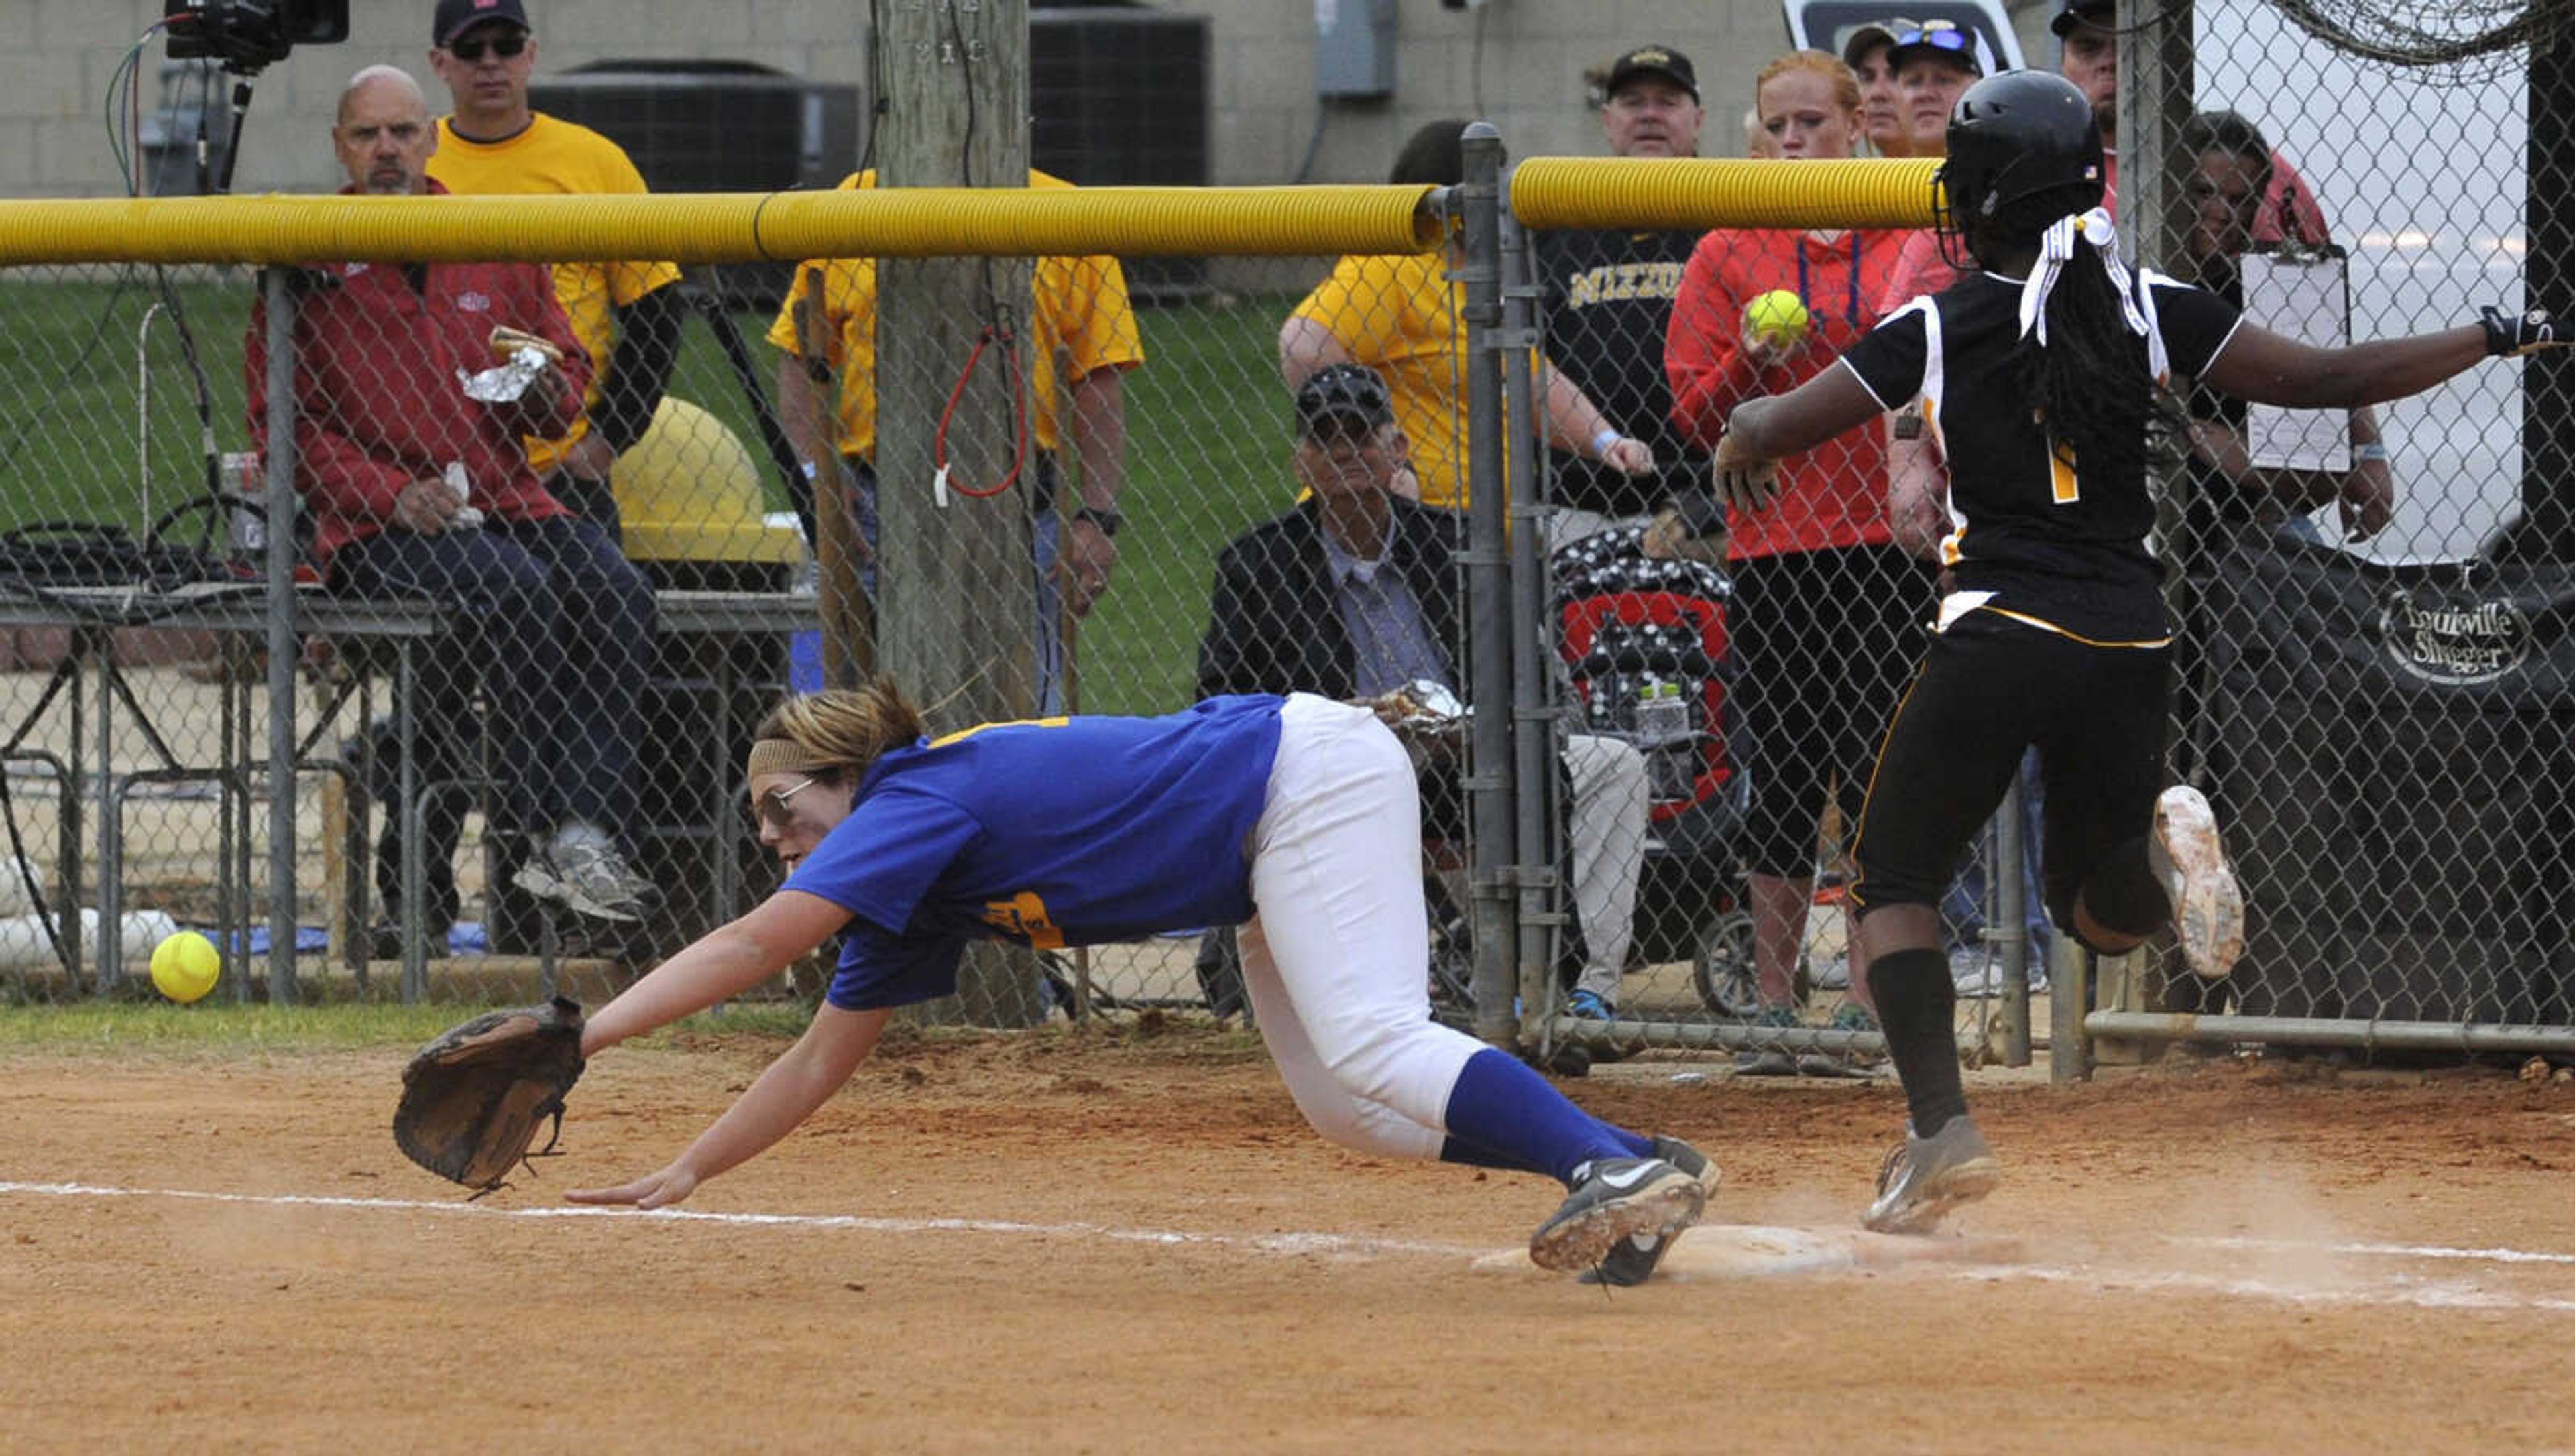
1916, 1002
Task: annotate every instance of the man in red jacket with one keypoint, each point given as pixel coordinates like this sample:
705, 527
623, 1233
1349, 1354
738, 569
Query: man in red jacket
418, 488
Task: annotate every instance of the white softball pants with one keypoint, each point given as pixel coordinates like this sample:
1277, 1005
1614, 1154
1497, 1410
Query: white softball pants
1606, 824
1337, 956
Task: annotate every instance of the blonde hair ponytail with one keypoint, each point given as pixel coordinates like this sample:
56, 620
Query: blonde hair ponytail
835, 734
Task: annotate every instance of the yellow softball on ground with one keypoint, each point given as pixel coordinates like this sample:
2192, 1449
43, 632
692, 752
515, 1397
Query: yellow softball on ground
185, 967
1778, 317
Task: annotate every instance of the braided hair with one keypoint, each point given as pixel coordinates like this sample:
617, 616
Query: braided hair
2025, 163
2090, 384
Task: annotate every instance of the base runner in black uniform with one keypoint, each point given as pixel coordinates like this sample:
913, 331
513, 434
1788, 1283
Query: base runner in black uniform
2045, 375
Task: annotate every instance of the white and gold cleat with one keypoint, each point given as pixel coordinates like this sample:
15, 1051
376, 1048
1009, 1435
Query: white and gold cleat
2190, 858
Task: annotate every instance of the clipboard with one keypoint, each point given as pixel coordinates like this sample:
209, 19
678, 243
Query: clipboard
2300, 292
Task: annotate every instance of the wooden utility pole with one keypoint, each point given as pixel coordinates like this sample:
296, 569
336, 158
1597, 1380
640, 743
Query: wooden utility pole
957, 590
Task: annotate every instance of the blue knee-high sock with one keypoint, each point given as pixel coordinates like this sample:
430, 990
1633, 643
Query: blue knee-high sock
1511, 1117
1459, 1150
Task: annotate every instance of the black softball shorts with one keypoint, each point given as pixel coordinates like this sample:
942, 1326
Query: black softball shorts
1989, 687
1824, 643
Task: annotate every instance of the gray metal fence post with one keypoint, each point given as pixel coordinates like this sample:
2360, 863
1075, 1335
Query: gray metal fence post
99, 643
2008, 925
1533, 711
1488, 629
281, 640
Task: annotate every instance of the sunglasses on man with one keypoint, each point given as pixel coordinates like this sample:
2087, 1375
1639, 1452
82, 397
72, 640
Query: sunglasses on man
473, 48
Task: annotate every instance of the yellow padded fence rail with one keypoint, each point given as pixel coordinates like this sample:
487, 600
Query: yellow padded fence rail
727, 227
1631, 192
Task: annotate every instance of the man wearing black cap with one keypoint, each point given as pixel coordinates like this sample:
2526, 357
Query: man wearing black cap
2088, 31
1608, 303
627, 314
1355, 593
1881, 101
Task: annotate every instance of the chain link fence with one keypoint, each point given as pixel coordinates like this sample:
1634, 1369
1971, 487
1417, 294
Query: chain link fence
540, 700
2371, 688
1753, 676
114, 376
618, 688
1154, 521
2367, 686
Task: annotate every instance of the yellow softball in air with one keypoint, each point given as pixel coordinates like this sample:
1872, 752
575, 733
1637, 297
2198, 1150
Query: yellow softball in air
1777, 318
185, 967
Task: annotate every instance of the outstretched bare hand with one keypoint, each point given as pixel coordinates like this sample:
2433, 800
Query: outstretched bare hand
653, 1190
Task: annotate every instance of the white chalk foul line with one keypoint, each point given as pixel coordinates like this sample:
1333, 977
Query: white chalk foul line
2387, 1251
2400, 1292
2415, 1293
1346, 1246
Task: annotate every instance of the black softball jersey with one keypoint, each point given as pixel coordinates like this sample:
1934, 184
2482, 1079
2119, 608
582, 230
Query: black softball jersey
2032, 536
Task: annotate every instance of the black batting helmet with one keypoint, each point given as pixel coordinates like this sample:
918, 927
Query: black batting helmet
2024, 150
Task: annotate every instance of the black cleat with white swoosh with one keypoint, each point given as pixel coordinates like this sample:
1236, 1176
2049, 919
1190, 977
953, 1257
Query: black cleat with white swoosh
1632, 1260
1613, 1200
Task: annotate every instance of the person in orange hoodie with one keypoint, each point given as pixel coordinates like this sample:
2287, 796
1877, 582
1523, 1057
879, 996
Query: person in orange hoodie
1827, 611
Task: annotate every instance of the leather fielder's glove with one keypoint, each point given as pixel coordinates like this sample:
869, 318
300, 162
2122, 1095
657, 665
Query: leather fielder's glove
473, 1099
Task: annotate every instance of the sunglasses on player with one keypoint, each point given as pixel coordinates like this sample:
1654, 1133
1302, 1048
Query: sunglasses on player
773, 804
472, 49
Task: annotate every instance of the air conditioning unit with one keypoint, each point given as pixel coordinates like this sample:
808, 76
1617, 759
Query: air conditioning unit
1119, 99
714, 126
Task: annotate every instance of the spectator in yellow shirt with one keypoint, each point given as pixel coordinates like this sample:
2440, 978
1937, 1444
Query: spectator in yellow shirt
1398, 316
627, 315
1084, 340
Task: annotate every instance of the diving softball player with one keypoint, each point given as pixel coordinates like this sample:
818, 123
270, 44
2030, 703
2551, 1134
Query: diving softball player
2043, 374
1296, 817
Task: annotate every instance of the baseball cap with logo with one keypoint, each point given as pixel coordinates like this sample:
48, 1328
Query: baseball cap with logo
1342, 393
455, 16
1869, 34
2100, 14
1644, 61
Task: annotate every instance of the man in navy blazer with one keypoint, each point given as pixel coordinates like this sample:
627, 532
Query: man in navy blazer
1354, 593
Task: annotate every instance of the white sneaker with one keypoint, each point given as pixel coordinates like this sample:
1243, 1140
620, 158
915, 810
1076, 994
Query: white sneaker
1830, 973
581, 869
2189, 857
1976, 972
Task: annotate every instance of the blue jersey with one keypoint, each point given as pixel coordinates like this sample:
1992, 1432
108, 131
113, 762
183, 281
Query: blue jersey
1055, 831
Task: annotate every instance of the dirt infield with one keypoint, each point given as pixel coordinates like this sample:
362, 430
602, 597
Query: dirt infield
1093, 1244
